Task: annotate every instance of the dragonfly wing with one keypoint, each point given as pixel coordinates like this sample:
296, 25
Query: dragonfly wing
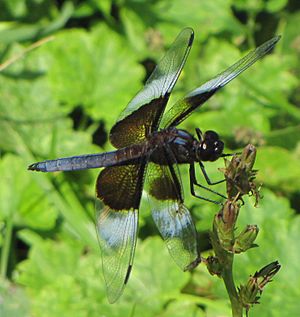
170, 215
184, 107
119, 189
144, 111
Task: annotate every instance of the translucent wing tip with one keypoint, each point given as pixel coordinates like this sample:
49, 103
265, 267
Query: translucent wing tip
112, 294
191, 32
112, 298
276, 38
267, 46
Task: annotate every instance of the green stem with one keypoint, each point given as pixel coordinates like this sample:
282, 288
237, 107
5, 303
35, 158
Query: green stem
237, 308
226, 261
6, 247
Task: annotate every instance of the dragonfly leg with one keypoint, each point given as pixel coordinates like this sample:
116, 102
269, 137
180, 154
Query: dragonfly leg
199, 134
193, 182
209, 182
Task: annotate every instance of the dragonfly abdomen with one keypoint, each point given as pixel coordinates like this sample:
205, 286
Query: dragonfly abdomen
81, 162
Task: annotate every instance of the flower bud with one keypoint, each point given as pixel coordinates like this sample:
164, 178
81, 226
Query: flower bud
239, 174
250, 293
245, 239
224, 225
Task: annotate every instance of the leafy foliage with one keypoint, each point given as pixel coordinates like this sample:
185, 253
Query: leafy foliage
62, 98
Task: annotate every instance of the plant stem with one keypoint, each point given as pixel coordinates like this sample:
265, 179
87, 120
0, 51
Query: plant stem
226, 261
237, 308
6, 247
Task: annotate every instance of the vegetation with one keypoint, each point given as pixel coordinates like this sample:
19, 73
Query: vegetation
60, 97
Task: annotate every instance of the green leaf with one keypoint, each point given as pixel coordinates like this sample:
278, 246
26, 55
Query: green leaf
14, 301
183, 309
278, 168
47, 261
19, 32
206, 17
276, 5
258, 6
103, 5
277, 240
249, 6
96, 69
19, 196
63, 297
34, 119
150, 253
287, 137
15, 8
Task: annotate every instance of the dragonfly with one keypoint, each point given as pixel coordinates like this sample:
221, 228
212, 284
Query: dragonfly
149, 150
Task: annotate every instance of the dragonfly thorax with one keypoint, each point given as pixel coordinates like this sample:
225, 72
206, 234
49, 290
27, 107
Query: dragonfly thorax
210, 147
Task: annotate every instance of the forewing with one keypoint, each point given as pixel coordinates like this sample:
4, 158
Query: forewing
183, 108
143, 113
171, 216
119, 189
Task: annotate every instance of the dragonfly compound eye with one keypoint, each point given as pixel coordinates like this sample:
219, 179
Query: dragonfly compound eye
211, 148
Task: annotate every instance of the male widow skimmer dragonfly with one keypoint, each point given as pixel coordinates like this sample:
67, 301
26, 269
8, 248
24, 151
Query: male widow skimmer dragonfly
149, 149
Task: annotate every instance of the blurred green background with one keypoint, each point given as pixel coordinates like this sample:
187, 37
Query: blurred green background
62, 98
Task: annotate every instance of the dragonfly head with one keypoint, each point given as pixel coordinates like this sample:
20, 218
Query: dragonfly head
210, 147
